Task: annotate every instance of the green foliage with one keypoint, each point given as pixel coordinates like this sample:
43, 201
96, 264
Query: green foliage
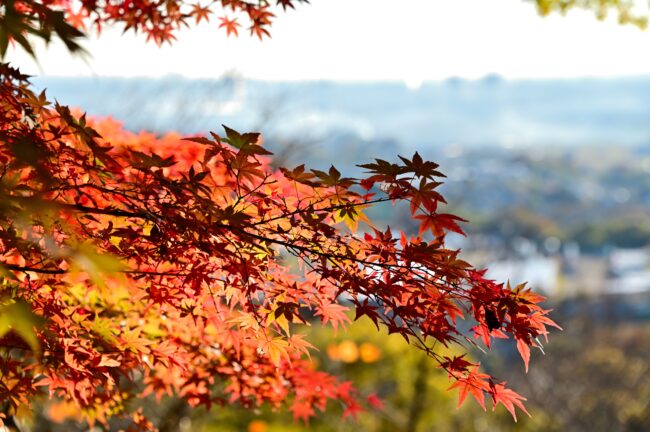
17, 316
626, 11
630, 232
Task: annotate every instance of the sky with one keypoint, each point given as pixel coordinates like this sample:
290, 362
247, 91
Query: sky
360, 40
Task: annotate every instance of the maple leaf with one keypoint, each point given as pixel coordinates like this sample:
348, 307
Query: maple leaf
386, 171
298, 342
108, 362
448, 222
230, 25
523, 346
260, 31
420, 167
351, 216
302, 410
77, 19
332, 312
375, 402
285, 4
474, 383
300, 175
425, 195
367, 309
133, 341
438, 223
200, 13
276, 349
508, 398
456, 364
352, 409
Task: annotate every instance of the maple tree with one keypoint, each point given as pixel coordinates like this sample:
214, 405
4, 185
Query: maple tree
135, 265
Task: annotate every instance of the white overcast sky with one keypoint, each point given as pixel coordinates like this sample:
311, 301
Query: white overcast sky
375, 40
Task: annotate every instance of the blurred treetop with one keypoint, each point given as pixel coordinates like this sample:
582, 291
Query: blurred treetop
627, 11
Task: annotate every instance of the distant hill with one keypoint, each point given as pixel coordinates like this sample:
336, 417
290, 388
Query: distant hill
491, 111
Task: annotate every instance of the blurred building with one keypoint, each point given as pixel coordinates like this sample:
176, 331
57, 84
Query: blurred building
540, 272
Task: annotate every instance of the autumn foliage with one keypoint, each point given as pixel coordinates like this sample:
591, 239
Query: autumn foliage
159, 20
135, 265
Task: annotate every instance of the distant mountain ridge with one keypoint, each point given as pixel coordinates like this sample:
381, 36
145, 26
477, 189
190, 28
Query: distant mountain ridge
491, 111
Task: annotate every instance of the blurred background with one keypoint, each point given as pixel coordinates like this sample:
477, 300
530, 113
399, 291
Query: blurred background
542, 127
